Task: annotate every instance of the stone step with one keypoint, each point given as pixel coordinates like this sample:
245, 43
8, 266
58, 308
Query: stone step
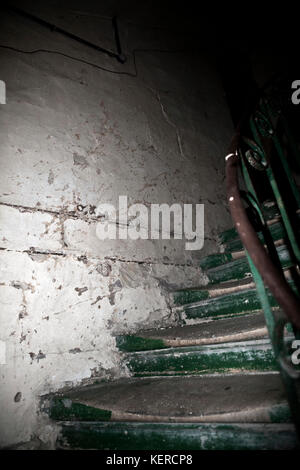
252, 355
277, 233
231, 234
239, 268
230, 241
271, 213
247, 327
234, 246
217, 259
231, 304
175, 437
211, 291
241, 398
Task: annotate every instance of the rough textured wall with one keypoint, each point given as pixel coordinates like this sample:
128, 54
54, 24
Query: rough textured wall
73, 136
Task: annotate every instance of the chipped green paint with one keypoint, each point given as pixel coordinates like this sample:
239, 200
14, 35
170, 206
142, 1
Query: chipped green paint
130, 343
234, 270
248, 355
279, 413
230, 234
234, 245
214, 260
277, 232
187, 296
63, 408
239, 268
174, 436
227, 235
229, 304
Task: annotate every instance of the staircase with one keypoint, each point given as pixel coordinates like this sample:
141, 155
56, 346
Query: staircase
210, 382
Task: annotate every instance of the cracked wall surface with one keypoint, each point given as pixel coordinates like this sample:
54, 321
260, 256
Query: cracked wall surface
73, 136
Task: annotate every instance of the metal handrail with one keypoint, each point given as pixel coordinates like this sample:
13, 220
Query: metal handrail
270, 274
265, 265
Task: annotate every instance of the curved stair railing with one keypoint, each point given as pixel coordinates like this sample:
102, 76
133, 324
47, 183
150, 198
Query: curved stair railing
261, 154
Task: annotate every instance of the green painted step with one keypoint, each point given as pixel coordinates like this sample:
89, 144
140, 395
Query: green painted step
232, 304
270, 212
233, 246
212, 398
236, 252
177, 437
216, 259
239, 268
196, 294
231, 242
277, 232
64, 409
242, 411
235, 303
256, 355
241, 328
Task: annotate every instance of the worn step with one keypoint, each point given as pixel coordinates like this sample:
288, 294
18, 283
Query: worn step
239, 268
230, 241
232, 304
271, 213
275, 226
176, 437
252, 355
224, 398
225, 302
226, 330
186, 296
277, 232
234, 248
196, 294
217, 259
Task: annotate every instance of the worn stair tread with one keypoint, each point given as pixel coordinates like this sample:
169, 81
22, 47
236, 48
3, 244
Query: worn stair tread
271, 213
192, 294
226, 398
234, 249
235, 246
217, 259
177, 437
231, 242
276, 229
232, 304
212, 332
232, 234
251, 355
232, 270
239, 268
235, 303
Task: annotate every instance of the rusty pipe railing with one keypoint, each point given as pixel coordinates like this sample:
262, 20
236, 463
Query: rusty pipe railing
262, 152
270, 274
